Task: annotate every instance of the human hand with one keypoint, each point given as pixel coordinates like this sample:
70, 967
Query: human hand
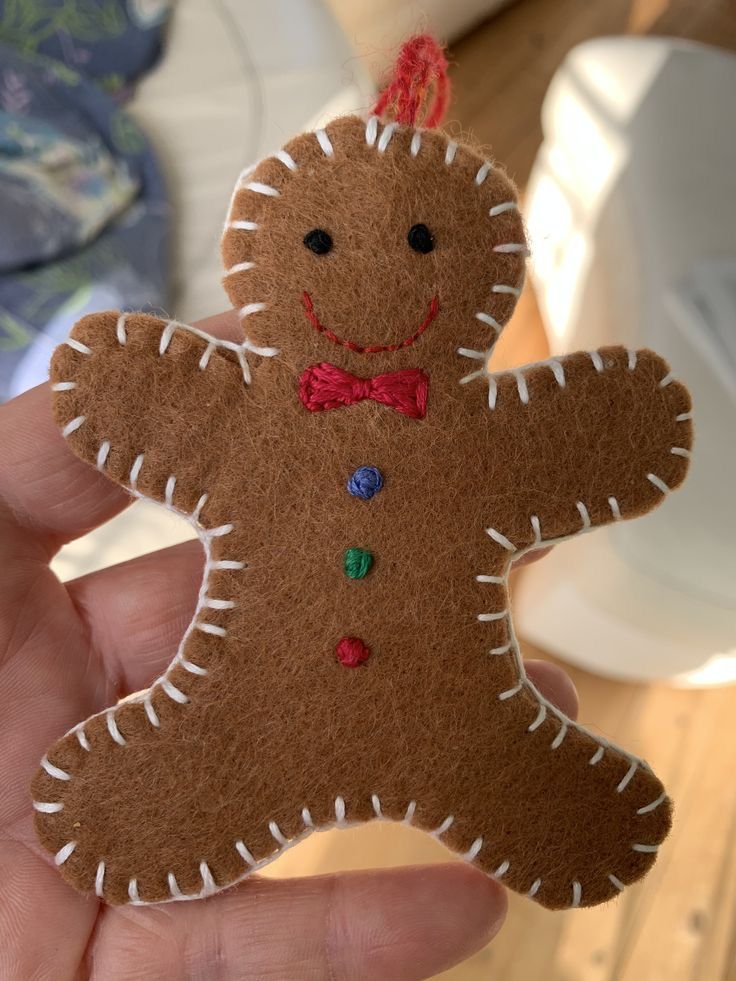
69, 650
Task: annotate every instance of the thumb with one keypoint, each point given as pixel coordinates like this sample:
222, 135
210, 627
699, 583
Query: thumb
398, 925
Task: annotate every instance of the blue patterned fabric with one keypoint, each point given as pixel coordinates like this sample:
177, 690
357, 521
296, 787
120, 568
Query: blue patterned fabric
83, 205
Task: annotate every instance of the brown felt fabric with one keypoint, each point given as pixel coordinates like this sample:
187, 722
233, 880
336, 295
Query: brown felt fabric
278, 724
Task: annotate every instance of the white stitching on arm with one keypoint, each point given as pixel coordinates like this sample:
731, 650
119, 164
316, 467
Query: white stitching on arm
77, 346
258, 188
500, 209
512, 247
658, 483
286, 159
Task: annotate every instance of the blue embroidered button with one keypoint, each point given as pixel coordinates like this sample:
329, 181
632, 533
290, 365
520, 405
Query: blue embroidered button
365, 482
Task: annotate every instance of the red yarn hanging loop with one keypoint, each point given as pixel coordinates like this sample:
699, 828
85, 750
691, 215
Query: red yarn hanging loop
420, 89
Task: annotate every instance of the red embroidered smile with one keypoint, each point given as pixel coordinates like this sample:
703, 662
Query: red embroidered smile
312, 317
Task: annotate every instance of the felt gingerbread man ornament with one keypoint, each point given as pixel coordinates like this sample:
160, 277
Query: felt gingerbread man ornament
361, 482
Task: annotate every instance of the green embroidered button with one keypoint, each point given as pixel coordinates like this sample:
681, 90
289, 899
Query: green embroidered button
357, 563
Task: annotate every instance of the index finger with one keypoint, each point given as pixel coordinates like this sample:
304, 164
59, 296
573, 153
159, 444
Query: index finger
52, 495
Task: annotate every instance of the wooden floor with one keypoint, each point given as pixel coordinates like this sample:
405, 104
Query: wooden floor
680, 924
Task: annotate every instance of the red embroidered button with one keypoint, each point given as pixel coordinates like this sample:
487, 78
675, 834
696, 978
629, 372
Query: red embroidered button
351, 652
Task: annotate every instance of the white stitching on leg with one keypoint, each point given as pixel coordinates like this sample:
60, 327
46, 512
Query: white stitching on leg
276, 833
47, 807
100, 880
541, 716
64, 852
537, 529
502, 869
245, 853
557, 741
470, 854
653, 806
577, 893
511, 692
169, 491
445, 826
135, 471
54, 771
174, 889
209, 886
521, 386
73, 426
340, 810
102, 454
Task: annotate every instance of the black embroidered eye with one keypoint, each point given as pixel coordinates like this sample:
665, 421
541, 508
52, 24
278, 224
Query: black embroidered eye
318, 241
420, 239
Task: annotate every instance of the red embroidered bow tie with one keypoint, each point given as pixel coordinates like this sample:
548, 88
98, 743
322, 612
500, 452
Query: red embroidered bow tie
325, 386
